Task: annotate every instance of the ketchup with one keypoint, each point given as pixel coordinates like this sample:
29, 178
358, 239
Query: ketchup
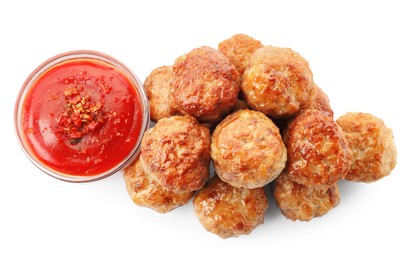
82, 117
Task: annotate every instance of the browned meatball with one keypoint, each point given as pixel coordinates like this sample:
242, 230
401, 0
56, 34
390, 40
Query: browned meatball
228, 211
278, 82
374, 150
247, 149
157, 87
146, 191
321, 102
298, 202
177, 151
239, 49
205, 84
318, 152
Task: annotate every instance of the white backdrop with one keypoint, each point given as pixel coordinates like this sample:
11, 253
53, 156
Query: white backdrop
360, 53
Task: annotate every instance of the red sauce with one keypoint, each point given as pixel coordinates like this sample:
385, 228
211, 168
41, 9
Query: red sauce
82, 117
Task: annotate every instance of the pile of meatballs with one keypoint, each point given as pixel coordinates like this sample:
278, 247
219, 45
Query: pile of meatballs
255, 112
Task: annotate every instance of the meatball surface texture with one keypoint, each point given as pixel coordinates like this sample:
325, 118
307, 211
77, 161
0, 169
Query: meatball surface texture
372, 143
247, 149
278, 82
239, 49
146, 191
228, 211
319, 154
157, 87
177, 151
298, 202
205, 84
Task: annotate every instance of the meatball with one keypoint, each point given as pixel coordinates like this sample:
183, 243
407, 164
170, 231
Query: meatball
146, 191
205, 84
247, 149
298, 202
157, 87
278, 82
374, 150
239, 49
318, 152
228, 211
321, 102
177, 152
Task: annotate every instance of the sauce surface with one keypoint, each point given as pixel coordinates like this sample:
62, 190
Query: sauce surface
82, 117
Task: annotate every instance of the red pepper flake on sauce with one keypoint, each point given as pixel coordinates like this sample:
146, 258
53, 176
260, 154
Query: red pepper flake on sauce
81, 115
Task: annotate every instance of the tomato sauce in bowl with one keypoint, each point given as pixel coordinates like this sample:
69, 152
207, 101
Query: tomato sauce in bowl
81, 115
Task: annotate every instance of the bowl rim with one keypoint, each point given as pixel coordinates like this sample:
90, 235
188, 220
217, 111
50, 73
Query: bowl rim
67, 57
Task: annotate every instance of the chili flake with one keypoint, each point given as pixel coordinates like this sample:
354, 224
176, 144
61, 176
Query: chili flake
81, 115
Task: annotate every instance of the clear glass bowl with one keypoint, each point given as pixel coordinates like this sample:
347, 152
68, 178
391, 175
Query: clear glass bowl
45, 67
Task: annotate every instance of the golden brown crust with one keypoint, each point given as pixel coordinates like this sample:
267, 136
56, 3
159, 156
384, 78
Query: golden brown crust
278, 82
228, 211
318, 152
239, 49
374, 150
298, 202
321, 102
177, 151
205, 84
157, 87
247, 149
146, 191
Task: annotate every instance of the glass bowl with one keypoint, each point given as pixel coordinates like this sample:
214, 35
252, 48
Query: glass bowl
80, 116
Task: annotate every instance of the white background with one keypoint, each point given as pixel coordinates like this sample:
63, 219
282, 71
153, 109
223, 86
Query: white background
360, 53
